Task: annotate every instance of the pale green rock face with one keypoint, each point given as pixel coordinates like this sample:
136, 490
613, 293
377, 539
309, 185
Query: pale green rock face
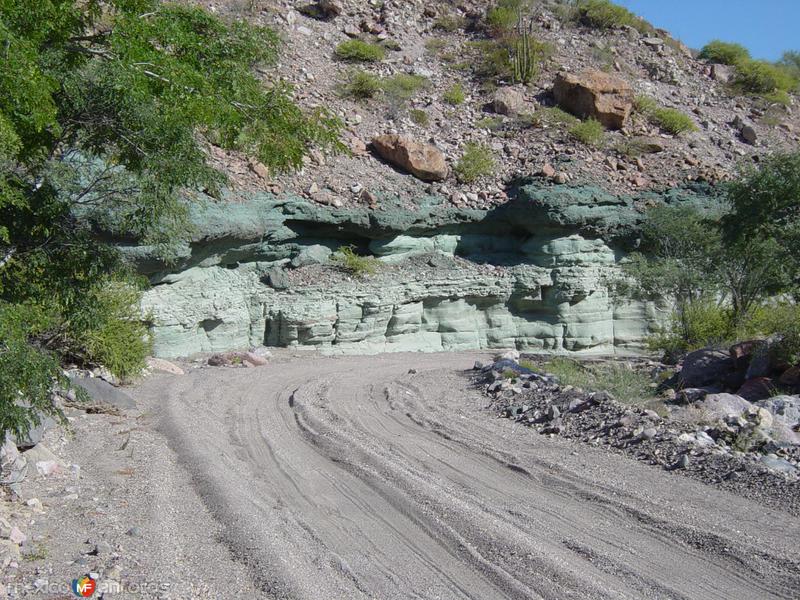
532, 275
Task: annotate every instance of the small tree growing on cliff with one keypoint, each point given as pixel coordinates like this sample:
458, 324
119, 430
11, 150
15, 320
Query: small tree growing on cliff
105, 109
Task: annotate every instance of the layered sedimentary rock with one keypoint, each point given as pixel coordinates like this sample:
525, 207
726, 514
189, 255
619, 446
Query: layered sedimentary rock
533, 274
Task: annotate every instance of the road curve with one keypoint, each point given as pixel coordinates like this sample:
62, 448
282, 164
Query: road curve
351, 478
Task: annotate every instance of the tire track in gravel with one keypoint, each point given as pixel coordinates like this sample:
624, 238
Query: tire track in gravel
350, 478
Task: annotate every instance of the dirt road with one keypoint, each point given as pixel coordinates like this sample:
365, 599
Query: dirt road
347, 478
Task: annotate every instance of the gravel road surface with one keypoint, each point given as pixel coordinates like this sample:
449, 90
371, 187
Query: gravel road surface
349, 478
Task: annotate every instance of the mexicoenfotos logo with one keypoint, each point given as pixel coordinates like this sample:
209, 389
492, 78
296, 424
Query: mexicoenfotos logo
84, 586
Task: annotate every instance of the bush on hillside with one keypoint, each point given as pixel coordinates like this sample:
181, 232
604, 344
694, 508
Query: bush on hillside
603, 14
403, 86
476, 162
726, 53
761, 77
673, 121
589, 132
361, 85
419, 116
360, 51
454, 95
669, 119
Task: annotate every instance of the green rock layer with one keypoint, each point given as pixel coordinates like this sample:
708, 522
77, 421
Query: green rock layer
535, 276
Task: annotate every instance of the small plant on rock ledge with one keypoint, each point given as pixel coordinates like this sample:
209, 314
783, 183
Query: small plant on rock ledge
360, 266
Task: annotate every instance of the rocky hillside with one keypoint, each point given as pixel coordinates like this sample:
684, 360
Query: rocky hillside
459, 96
482, 213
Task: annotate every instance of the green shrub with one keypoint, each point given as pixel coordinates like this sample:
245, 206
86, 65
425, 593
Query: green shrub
360, 51
360, 266
25, 370
420, 117
361, 85
771, 319
504, 16
778, 97
706, 323
673, 121
112, 333
554, 115
403, 86
725, 53
702, 323
622, 381
455, 95
791, 62
645, 105
449, 23
589, 132
491, 123
669, 119
602, 14
761, 77
476, 162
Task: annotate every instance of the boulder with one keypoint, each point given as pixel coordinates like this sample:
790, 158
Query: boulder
719, 406
791, 376
276, 278
763, 361
45, 461
508, 101
13, 465
742, 353
595, 94
650, 145
508, 355
756, 389
722, 73
749, 135
322, 9
102, 392
785, 408
312, 255
165, 366
36, 433
424, 161
238, 359
706, 367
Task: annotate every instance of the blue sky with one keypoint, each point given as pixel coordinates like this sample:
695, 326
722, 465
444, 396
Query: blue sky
765, 27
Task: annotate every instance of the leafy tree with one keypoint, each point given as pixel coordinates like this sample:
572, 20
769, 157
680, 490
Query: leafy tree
720, 269
791, 61
766, 205
676, 259
106, 107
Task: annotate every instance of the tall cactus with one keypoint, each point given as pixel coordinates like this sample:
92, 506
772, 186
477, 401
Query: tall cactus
524, 53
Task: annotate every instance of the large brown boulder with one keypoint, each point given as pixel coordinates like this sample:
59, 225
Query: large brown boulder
424, 161
595, 94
